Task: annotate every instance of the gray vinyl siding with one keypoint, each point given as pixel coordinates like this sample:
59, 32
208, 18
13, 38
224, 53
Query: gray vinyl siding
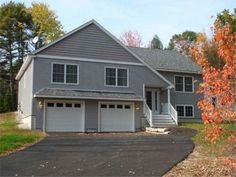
184, 98
90, 42
91, 114
91, 77
25, 93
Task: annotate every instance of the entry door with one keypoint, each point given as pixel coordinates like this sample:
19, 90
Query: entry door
153, 100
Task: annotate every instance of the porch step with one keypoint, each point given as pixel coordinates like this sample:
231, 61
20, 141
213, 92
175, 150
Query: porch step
162, 121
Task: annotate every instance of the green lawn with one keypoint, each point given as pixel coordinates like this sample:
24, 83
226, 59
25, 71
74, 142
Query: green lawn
199, 139
12, 137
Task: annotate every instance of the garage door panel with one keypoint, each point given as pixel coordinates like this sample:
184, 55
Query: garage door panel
116, 118
64, 119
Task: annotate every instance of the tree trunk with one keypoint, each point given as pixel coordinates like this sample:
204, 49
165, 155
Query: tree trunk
11, 80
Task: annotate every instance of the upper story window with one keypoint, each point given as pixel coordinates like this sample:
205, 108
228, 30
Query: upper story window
183, 83
116, 77
65, 73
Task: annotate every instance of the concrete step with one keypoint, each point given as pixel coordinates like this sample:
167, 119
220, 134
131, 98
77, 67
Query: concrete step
163, 125
160, 116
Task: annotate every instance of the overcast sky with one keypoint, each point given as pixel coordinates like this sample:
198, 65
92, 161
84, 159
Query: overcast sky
148, 17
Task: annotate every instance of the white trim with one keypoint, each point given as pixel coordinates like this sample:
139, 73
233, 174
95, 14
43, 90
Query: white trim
178, 71
184, 83
116, 68
108, 102
44, 115
65, 65
64, 101
24, 66
88, 60
184, 105
89, 98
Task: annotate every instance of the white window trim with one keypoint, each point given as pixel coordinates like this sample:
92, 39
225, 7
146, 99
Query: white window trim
184, 105
65, 64
184, 83
127, 69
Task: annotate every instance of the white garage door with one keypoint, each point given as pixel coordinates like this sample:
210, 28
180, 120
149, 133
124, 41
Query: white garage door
116, 117
64, 116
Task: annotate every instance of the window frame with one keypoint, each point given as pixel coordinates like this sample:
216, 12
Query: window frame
183, 76
184, 105
65, 68
116, 82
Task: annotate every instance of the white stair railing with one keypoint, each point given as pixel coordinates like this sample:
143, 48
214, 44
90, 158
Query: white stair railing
173, 113
148, 114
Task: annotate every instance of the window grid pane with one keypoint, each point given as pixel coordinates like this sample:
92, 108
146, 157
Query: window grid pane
188, 111
110, 76
122, 77
188, 84
180, 110
58, 73
71, 74
179, 83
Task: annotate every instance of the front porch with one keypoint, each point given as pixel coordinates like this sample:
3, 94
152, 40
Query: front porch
158, 109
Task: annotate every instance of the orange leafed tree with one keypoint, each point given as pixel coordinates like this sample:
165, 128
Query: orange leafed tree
218, 87
131, 38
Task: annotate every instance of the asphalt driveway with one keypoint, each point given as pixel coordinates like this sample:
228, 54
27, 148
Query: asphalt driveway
121, 154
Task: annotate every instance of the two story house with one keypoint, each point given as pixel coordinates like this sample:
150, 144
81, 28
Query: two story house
87, 80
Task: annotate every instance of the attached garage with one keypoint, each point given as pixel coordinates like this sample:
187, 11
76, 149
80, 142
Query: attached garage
64, 116
116, 116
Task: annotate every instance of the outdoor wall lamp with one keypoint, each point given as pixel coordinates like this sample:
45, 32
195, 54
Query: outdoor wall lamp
137, 107
40, 104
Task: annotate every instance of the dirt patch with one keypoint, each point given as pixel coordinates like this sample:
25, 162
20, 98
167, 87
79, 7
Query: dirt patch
177, 131
199, 164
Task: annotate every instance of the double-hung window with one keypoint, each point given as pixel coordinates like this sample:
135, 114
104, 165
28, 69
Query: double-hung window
184, 84
116, 77
64, 73
185, 110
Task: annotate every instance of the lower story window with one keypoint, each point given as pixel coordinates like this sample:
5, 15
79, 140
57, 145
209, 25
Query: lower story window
189, 111
185, 110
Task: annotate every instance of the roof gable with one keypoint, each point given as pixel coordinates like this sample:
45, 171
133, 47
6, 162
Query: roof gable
115, 41
91, 42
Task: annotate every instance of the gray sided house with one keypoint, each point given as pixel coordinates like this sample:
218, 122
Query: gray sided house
89, 81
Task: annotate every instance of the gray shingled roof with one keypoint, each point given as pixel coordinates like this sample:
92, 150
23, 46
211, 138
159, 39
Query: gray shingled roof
166, 60
63, 93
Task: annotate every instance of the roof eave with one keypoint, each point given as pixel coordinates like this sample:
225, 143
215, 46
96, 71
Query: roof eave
90, 98
24, 66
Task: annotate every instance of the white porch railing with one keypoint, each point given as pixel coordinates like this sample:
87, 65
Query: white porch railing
148, 114
173, 113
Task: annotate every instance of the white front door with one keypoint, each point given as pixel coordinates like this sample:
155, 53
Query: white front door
153, 100
116, 116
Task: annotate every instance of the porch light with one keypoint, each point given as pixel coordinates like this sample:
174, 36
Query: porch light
137, 107
40, 104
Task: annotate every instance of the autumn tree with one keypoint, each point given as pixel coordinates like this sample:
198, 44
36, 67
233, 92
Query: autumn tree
183, 42
131, 38
47, 26
219, 82
156, 43
18, 26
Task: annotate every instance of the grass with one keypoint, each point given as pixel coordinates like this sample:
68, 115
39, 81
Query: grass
13, 138
199, 139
